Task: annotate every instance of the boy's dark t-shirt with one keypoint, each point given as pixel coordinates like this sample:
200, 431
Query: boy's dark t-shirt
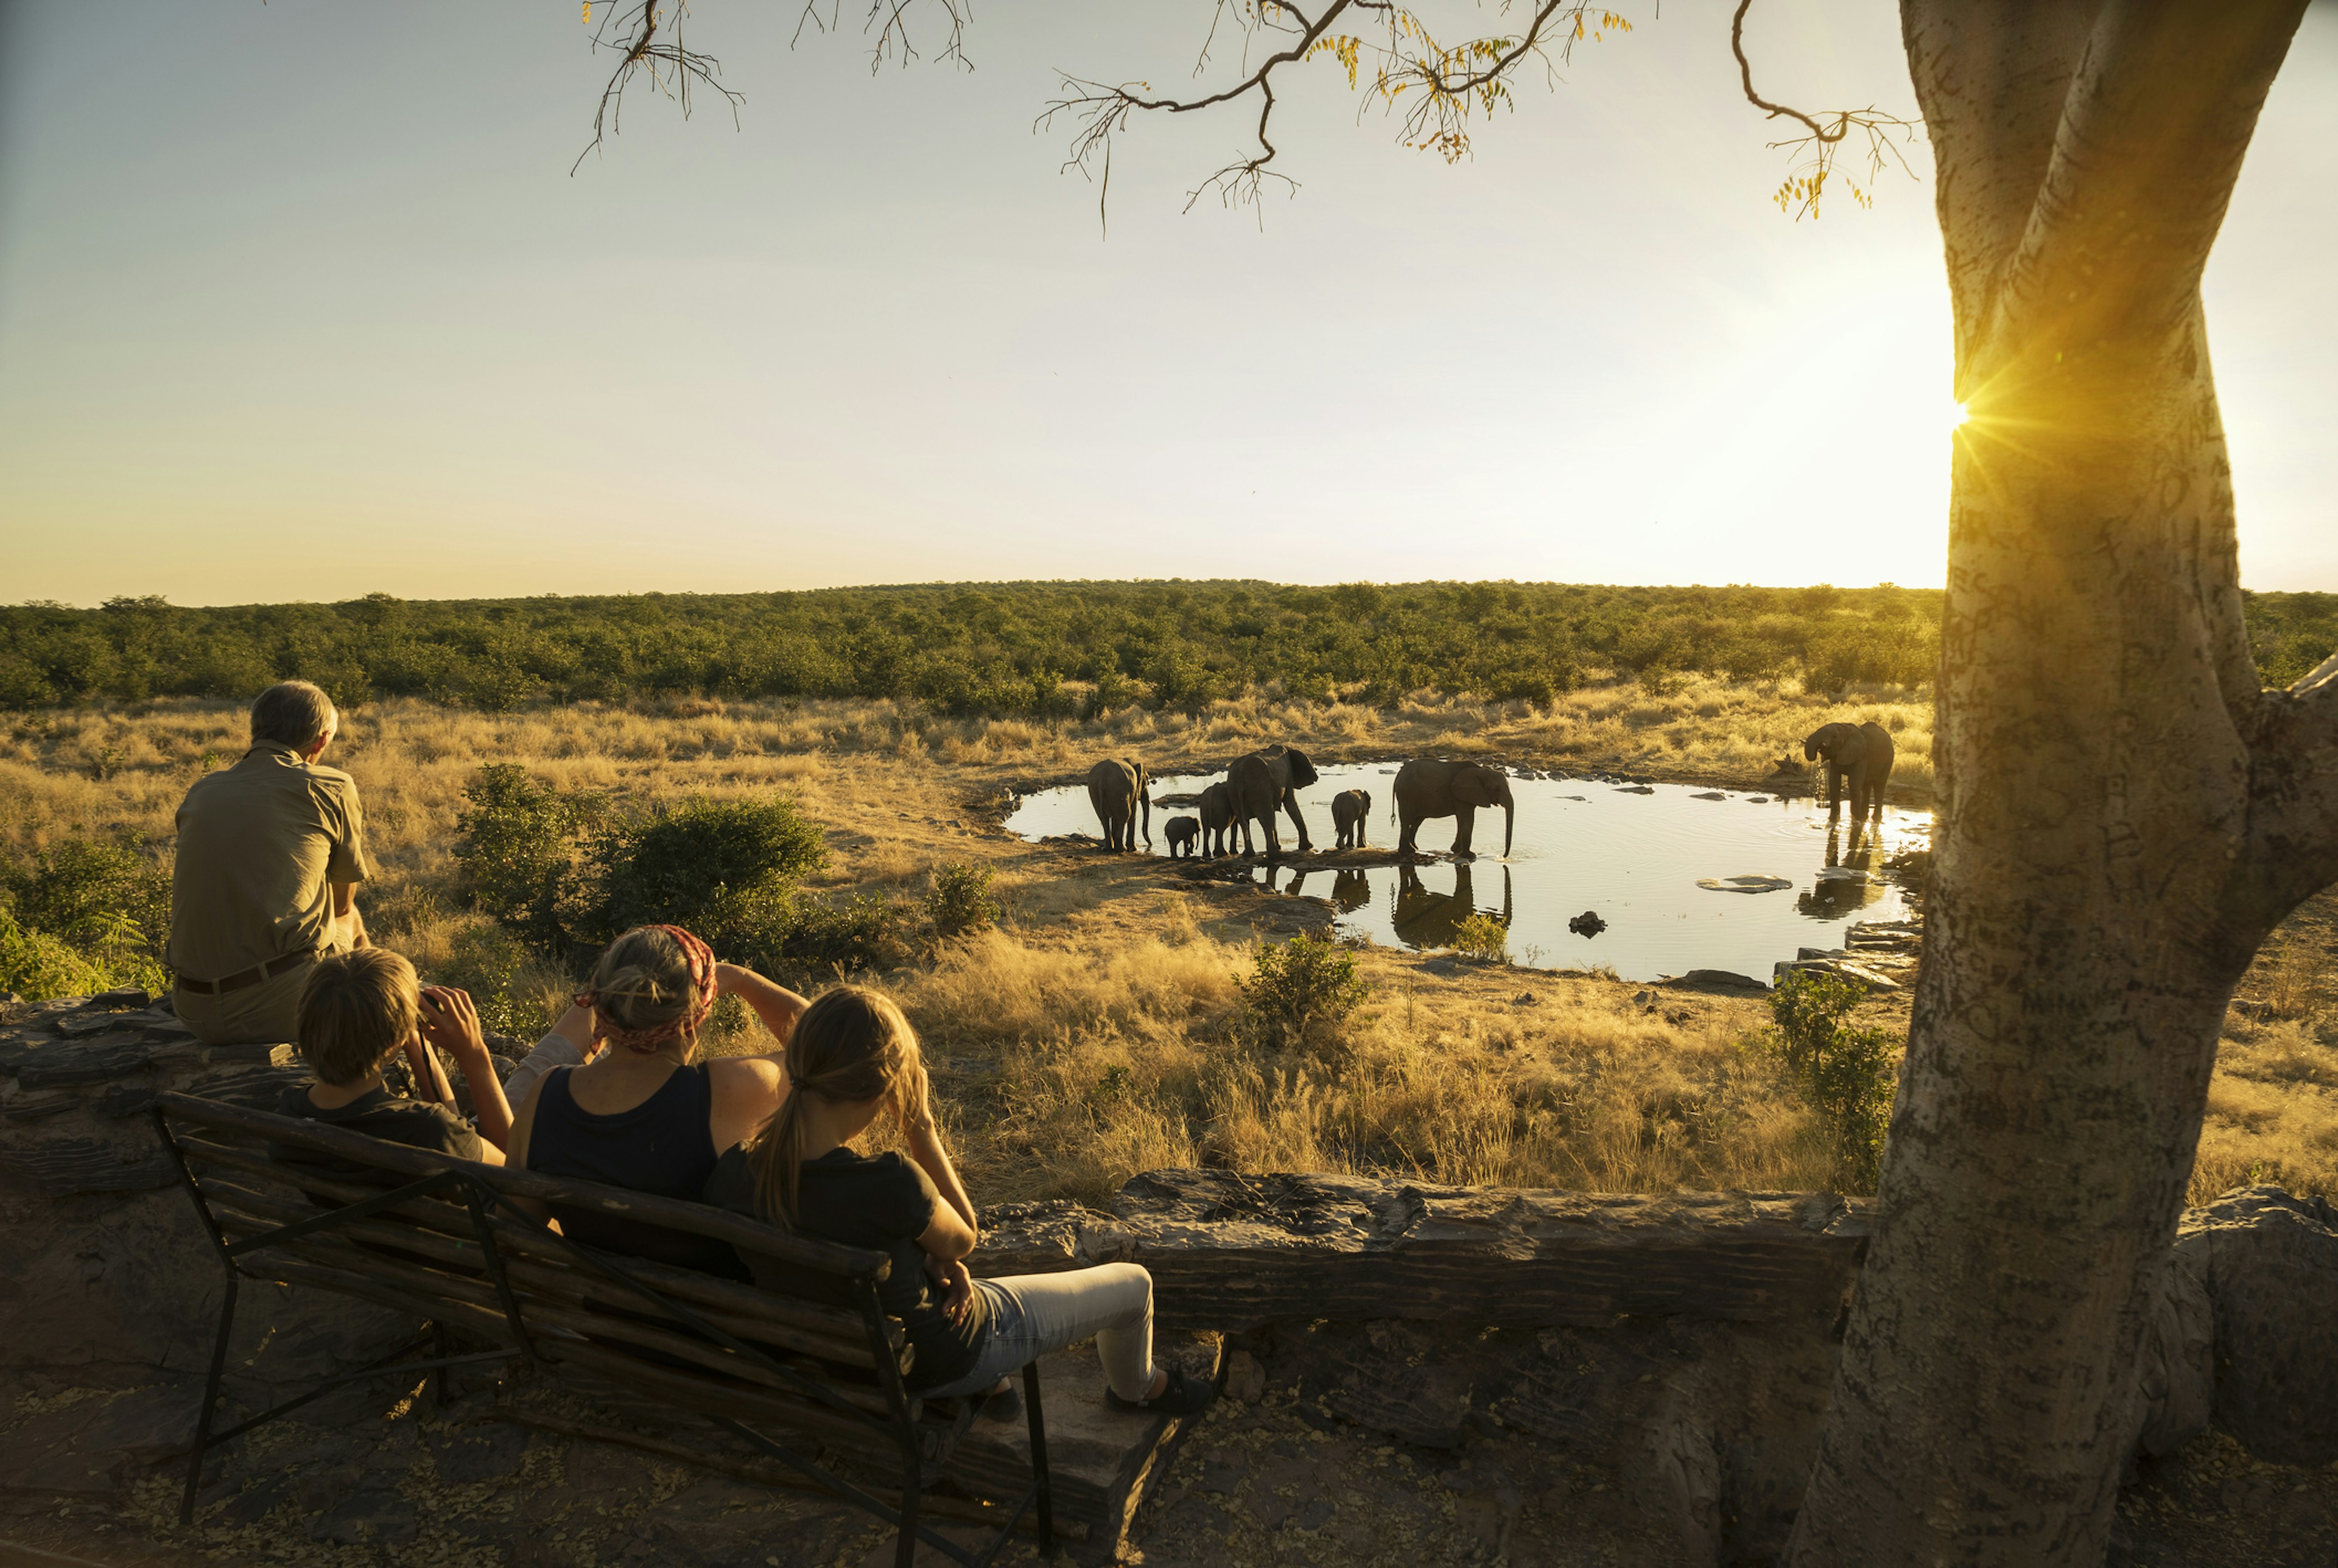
883, 1204
378, 1113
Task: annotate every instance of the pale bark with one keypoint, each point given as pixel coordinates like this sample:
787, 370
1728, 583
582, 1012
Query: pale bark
2122, 815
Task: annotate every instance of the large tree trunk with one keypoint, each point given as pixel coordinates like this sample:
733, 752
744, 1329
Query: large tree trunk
2123, 814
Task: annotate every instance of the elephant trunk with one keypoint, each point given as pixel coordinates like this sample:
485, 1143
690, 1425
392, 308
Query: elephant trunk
1510, 818
1144, 807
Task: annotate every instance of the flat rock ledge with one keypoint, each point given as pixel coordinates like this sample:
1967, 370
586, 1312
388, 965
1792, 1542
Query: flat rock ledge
1229, 1251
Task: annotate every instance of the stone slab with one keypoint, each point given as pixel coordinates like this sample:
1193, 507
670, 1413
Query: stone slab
1229, 1251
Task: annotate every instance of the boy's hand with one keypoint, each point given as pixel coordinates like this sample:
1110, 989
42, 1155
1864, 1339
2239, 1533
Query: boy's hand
450, 1023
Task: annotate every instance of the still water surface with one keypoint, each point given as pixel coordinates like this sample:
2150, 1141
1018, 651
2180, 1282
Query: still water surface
1581, 845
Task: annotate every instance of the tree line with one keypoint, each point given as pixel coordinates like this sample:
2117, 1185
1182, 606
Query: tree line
1040, 649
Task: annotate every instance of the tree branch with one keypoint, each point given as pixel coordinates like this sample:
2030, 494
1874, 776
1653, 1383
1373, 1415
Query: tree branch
1441, 86
1806, 183
2293, 800
671, 67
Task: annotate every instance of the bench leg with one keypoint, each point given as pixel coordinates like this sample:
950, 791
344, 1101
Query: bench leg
1038, 1426
905, 1555
210, 1403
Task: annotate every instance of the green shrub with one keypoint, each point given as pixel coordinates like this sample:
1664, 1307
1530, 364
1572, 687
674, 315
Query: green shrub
1483, 937
865, 931
1301, 993
86, 914
960, 900
504, 979
36, 966
726, 869
1842, 1073
518, 849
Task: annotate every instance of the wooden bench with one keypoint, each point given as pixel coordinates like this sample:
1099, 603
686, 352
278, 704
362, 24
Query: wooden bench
444, 1241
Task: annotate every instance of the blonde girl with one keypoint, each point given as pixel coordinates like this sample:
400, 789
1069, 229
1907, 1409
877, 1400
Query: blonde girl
851, 1059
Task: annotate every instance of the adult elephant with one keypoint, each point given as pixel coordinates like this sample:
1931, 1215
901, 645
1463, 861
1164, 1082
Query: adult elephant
1861, 753
1426, 789
1263, 781
1119, 790
1218, 821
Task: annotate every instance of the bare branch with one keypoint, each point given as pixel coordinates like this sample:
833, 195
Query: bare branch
1806, 183
2293, 800
1436, 86
672, 68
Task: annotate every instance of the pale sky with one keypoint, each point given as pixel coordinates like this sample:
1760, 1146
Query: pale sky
298, 300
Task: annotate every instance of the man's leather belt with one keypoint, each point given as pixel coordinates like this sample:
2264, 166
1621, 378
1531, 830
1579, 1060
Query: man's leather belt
254, 976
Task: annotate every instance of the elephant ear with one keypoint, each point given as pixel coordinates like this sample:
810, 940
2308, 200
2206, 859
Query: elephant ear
1303, 771
1477, 786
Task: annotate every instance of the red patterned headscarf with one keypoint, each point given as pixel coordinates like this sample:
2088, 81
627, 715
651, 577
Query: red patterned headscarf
699, 961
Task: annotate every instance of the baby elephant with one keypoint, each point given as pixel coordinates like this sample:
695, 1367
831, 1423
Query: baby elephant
1349, 810
1183, 832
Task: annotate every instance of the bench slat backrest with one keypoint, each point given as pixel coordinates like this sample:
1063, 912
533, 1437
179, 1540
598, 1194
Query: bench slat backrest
460, 1254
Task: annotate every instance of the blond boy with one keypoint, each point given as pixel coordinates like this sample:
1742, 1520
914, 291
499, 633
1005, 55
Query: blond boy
360, 1009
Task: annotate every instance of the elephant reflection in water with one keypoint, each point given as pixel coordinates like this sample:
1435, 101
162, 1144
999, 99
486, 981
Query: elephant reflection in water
1427, 920
1834, 896
1351, 891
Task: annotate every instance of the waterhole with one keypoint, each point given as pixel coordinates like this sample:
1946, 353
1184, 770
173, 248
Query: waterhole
1634, 855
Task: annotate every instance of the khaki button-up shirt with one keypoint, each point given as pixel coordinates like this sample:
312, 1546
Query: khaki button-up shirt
260, 846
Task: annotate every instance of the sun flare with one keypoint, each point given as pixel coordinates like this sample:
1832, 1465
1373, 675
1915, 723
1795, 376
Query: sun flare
1958, 414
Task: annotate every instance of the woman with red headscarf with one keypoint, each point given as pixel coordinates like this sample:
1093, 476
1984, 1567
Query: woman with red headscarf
642, 1112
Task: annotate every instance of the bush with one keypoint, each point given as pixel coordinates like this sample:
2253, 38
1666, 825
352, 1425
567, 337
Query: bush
518, 849
1483, 937
960, 900
505, 982
36, 966
1300, 995
863, 932
86, 915
726, 869
1842, 1073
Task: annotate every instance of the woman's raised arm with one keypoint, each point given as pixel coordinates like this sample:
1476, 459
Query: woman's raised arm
775, 1005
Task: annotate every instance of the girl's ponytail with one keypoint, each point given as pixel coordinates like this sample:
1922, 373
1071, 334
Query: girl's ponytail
850, 1045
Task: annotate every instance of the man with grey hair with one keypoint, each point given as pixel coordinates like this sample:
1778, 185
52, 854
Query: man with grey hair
270, 852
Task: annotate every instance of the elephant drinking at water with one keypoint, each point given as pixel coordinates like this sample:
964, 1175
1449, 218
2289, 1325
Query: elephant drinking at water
1119, 791
1426, 789
1859, 752
1263, 781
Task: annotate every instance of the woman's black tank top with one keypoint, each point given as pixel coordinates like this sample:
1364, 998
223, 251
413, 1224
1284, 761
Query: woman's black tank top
662, 1146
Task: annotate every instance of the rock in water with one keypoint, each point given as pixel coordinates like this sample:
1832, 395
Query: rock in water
1587, 924
1744, 883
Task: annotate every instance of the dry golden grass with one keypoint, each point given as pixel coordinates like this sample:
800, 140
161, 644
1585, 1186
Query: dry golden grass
1094, 1036
1099, 1055
2272, 1104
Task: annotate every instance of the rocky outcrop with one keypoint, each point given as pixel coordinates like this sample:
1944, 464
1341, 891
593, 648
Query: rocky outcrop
1232, 1251
2266, 1266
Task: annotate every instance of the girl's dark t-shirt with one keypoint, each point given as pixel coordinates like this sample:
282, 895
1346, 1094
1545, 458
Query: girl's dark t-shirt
882, 1204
